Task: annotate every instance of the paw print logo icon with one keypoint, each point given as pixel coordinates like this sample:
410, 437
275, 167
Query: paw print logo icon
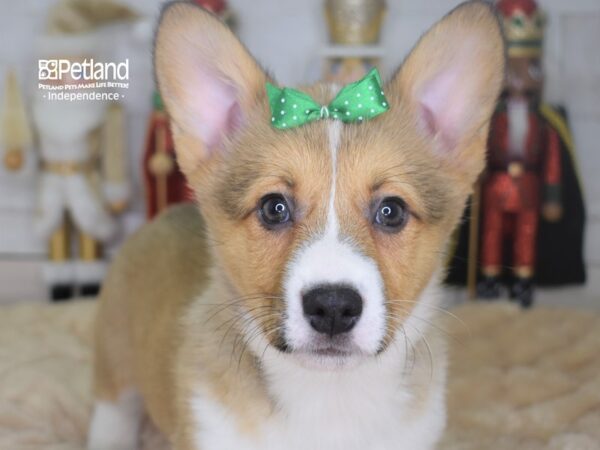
47, 69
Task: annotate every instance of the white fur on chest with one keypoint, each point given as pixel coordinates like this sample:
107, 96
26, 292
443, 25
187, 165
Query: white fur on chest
367, 407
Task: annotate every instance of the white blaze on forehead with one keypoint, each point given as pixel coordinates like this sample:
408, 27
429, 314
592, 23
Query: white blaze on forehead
329, 258
334, 131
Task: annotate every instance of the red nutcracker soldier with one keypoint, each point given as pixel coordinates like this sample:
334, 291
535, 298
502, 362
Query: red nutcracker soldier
165, 184
523, 176
530, 204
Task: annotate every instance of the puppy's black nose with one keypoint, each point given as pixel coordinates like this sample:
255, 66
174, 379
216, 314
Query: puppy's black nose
332, 309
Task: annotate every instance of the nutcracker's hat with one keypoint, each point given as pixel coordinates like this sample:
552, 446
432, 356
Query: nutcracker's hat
218, 7
523, 24
74, 27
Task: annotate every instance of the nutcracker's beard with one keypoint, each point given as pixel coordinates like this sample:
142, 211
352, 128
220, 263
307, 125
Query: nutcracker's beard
517, 110
66, 120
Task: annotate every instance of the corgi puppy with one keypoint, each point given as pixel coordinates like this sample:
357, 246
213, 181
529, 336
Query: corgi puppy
293, 308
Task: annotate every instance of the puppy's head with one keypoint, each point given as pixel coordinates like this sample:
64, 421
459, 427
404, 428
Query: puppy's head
329, 233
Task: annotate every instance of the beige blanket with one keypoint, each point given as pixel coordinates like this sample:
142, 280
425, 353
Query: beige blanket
517, 381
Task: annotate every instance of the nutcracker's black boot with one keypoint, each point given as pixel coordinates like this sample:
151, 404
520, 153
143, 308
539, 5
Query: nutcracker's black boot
488, 288
522, 291
61, 292
89, 289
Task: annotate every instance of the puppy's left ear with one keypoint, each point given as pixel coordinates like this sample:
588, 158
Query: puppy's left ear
450, 82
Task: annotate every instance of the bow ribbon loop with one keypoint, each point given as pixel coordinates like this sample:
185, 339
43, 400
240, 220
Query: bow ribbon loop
362, 100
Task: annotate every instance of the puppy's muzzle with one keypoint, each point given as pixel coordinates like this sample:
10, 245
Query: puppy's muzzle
332, 309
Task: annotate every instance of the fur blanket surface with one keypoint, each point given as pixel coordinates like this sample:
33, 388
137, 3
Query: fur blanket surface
518, 380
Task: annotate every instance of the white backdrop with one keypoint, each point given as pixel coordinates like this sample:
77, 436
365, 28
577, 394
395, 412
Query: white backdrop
286, 37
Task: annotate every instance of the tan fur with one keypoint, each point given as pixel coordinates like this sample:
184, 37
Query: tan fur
137, 314
170, 318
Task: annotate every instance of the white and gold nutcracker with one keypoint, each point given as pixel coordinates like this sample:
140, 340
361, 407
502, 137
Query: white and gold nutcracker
83, 161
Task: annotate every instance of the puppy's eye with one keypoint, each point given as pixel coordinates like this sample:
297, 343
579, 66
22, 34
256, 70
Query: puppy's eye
274, 210
392, 214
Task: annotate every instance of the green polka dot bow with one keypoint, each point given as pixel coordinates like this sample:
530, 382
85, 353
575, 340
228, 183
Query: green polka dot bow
358, 101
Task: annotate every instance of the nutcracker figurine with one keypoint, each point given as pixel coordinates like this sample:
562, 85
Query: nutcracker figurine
530, 196
15, 128
83, 180
354, 30
165, 184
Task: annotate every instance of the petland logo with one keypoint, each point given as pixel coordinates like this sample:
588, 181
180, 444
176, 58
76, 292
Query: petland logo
57, 69
64, 75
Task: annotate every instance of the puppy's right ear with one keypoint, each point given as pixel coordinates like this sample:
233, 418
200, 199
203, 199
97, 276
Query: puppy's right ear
207, 79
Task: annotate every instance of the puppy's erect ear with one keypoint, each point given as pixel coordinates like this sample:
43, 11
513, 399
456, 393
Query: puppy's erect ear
452, 78
206, 77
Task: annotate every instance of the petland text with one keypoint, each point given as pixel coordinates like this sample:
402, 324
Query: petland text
88, 70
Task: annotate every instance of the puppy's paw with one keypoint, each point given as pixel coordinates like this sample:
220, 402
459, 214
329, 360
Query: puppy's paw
115, 426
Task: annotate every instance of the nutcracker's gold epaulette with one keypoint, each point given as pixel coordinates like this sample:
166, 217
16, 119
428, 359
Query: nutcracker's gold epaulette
559, 123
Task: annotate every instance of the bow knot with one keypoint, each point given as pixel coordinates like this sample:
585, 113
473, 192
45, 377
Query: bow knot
358, 101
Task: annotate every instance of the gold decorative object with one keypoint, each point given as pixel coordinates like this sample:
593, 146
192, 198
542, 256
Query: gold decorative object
355, 22
354, 30
15, 128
